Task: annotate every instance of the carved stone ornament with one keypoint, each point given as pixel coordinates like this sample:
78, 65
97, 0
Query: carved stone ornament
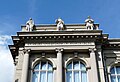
60, 24
92, 50
29, 25
59, 50
89, 23
117, 58
26, 51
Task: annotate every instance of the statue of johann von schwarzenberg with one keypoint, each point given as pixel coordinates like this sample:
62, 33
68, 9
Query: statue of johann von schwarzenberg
60, 24
89, 23
29, 25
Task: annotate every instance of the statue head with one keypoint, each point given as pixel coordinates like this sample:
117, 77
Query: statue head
89, 20
59, 20
30, 18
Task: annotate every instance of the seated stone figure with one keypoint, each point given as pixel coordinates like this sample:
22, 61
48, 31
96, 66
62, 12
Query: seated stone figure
89, 23
29, 25
60, 24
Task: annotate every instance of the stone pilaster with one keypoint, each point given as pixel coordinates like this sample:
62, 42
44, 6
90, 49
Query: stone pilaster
100, 65
94, 71
25, 66
59, 64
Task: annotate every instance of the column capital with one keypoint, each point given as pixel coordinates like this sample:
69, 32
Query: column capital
92, 49
59, 50
26, 51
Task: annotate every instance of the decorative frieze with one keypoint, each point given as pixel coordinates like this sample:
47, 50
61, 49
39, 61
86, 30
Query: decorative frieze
60, 37
60, 43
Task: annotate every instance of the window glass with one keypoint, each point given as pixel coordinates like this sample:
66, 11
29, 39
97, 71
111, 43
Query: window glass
49, 66
43, 71
35, 76
76, 72
69, 66
118, 69
50, 77
115, 74
113, 79
43, 76
69, 76
82, 66
76, 76
37, 66
118, 78
112, 71
84, 77
43, 65
76, 64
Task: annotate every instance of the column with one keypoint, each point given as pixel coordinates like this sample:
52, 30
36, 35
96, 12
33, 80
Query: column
94, 72
100, 65
59, 64
25, 66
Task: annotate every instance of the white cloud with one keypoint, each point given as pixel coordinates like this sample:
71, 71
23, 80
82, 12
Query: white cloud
6, 61
4, 39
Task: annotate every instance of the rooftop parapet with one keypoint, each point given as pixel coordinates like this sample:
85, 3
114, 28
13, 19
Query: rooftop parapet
59, 26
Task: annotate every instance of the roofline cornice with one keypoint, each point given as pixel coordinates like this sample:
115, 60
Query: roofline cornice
47, 25
80, 32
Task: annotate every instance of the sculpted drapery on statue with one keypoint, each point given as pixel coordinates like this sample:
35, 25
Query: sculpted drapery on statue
89, 23
29, 25
60, 24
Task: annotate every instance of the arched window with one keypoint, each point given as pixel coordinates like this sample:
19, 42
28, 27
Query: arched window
76, 72
115, 74
43, 72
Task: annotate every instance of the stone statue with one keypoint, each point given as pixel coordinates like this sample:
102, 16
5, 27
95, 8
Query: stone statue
89, 23
29, 25
60, 24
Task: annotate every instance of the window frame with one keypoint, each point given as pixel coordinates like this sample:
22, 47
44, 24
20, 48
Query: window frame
42, 70
74, 70
114, 75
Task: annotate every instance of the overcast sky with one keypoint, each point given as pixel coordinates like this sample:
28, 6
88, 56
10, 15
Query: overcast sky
16, 12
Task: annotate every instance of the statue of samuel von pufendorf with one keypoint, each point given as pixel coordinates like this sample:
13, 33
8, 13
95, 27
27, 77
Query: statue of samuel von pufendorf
29, 25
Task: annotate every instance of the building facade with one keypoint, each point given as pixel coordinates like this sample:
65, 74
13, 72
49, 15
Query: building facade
65, 53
